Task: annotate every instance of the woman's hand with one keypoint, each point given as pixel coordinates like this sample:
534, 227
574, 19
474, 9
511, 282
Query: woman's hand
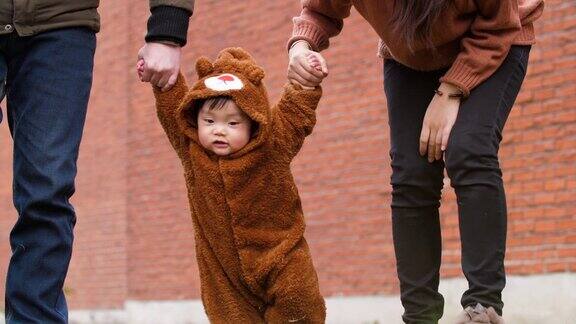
438, 121
306, 67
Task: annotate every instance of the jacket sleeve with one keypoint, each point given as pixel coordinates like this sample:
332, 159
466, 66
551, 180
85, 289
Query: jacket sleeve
294, 117
319, 21
492, 32
169, 21
166, 106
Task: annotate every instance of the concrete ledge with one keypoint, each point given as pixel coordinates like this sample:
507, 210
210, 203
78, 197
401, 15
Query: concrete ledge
99, 316
528, 300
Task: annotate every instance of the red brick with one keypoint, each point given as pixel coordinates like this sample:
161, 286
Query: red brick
555, 184
544, 198
567, 224
556, 267
567, 253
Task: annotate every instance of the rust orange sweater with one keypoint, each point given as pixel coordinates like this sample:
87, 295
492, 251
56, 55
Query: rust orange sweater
472, 37
254, 262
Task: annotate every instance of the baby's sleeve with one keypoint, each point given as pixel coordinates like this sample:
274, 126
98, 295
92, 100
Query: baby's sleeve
166, 106
294, 117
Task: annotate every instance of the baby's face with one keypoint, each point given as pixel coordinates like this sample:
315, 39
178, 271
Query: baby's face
224, 130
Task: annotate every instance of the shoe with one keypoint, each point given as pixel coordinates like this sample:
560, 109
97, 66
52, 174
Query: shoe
479, 315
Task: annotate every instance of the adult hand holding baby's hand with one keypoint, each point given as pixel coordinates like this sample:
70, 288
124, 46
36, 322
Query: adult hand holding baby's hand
306, 67
161, 63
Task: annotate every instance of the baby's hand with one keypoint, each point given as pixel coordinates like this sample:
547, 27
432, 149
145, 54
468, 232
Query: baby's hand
140, 68
315, 62
306, 68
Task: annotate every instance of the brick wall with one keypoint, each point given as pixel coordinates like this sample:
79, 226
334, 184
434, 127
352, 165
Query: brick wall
134, 235
539, 152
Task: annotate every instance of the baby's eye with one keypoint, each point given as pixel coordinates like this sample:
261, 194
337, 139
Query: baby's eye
233, 123
209, 121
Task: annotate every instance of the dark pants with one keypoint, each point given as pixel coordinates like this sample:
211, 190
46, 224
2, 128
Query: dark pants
471, 161
48, 80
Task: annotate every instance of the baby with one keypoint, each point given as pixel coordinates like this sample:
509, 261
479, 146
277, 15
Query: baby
236, 150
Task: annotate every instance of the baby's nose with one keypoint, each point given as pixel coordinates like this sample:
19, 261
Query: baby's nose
220, 130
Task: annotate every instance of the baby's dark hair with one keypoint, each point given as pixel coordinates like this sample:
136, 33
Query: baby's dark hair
214, 103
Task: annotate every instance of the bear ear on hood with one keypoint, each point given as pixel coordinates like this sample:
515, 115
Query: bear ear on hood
242, 60
255, 74
234, 53
204, 67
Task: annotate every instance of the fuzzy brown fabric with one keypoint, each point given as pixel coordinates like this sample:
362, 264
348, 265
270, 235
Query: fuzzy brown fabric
254, 262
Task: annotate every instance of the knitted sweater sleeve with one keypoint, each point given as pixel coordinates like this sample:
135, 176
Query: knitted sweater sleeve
486, 46
169, 21
294, 117
319, 21
167, 104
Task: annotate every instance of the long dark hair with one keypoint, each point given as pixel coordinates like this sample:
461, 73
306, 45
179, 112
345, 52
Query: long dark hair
415, 18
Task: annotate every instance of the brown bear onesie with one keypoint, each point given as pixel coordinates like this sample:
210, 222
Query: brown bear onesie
254, 262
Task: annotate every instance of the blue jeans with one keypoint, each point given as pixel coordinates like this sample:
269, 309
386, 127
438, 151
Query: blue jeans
48, 80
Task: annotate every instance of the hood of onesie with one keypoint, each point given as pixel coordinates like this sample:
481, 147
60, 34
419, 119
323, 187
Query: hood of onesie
233, 74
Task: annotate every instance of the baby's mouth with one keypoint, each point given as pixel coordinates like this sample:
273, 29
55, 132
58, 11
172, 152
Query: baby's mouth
220, 143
